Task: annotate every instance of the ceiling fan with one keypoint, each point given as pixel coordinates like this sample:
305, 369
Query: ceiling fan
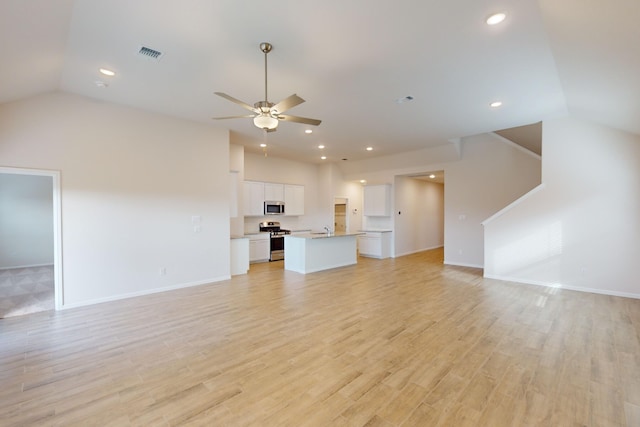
267, 114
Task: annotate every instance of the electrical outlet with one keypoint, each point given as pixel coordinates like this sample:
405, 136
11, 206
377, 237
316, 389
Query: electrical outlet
163, 271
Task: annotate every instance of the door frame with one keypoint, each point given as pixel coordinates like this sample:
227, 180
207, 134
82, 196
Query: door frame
58, 294
333, 210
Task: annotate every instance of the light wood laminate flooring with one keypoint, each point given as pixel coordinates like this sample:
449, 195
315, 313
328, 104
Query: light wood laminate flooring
393, 342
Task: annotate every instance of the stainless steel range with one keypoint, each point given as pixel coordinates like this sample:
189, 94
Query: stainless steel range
277, 239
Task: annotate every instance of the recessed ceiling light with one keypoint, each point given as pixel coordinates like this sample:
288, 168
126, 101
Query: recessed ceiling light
308, 131
432, 176
495, 104
496, 18
321, 147
324, 157
107, 72
362, 181
263, 145
369, 148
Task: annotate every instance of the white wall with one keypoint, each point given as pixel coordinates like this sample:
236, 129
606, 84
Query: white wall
236, 165
581, 231
131, 183
352, 191
490, 175
420, 224
26, 220
349, 190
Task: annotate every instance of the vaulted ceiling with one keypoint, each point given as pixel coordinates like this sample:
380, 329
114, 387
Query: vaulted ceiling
354, 62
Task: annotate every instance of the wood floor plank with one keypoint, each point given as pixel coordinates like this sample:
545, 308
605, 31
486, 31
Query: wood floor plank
405, 341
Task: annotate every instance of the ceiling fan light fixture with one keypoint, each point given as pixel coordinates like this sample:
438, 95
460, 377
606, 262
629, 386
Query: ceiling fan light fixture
265, 121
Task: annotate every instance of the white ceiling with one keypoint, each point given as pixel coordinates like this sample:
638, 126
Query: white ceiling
350, 60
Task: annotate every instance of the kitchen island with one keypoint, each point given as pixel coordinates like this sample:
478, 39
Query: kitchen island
311, 252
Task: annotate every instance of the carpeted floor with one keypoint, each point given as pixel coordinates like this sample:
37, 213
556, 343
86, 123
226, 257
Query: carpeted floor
26, 290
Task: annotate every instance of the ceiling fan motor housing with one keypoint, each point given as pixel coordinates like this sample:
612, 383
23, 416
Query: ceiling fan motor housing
265, 107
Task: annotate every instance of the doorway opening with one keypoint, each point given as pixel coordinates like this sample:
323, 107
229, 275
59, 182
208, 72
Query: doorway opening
340, 218
419, 217
30, 241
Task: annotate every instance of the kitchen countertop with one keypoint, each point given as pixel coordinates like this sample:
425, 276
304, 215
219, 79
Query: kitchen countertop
371, 230
322, 235
260, 234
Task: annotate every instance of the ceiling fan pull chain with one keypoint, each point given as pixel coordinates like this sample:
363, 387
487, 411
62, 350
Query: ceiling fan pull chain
264, 141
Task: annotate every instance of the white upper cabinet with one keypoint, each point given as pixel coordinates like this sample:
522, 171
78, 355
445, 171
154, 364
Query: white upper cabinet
293, 200
253, 198
377, 200
256, 193
274, 192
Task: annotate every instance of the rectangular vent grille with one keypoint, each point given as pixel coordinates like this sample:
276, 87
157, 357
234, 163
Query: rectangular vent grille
147, 52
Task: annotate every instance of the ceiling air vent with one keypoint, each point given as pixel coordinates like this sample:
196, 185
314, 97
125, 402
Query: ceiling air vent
148, 53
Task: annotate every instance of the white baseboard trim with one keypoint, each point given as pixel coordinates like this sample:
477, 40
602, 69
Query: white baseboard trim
50, 264
145, 292
328, 267
461, 264
566, 287
418, 250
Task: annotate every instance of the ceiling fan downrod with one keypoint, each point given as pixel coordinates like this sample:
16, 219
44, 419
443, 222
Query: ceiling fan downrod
265, 48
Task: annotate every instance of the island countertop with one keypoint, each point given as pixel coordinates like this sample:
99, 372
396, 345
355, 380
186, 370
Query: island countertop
309, 252
324, 235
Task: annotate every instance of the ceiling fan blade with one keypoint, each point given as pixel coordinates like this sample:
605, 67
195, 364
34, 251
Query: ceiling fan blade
271, 130
237, 101
304, 120
233, 117
287, 103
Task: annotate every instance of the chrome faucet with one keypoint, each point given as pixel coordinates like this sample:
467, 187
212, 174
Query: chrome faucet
328, 231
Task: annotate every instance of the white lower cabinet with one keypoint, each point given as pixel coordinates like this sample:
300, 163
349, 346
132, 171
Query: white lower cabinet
375, 245
259, 247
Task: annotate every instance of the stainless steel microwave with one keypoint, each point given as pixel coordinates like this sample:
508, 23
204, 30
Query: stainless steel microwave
273, 208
